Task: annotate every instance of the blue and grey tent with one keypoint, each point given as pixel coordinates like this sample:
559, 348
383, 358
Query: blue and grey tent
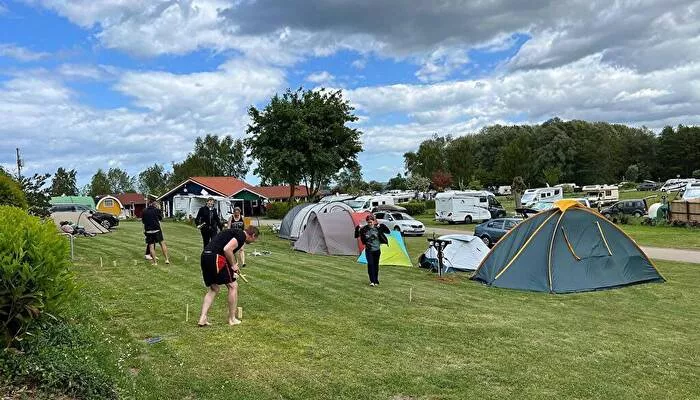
288, 220
569, 248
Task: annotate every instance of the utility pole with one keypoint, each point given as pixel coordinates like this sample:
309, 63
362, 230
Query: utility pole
19, 166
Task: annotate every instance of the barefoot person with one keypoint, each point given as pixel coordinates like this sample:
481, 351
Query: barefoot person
151, 218
236, 221
219, 267
372, 236
208, 221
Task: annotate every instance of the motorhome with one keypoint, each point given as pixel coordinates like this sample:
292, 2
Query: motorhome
467, 206
548, 194
336, 197
601, 195
692, 191
368, 203
401, 196
189, 205
675, 185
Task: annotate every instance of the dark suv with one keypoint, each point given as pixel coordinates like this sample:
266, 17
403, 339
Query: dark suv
648, 185
104, 219
637, 208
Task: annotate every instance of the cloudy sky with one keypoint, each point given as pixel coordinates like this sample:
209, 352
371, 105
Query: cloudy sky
90, 84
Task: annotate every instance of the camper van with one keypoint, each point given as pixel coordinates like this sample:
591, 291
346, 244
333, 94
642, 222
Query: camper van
601, 195
401, 196
548, 194
692, 191
675, 185
456, 206
367, 203
189, 204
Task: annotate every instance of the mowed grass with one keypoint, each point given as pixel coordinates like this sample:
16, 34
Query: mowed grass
314, 329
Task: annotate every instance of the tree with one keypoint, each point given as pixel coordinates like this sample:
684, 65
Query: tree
696, 174
374, 186
349, 180
64, 183
10, 192
551, 175
99, 185
212, 156
36, 191
429, 158
518, 187
153, 180
441, 180
418, 183
301, 136
397, 183
119, 181
632, 173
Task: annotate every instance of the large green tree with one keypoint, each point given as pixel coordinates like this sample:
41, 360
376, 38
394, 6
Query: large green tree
36, 191
64, 183
99, 184
153, 180
349, 180
302, 136
213, 156
119, 181
429, 158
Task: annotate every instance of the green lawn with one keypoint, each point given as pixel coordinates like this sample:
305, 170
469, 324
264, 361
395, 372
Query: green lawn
313, 328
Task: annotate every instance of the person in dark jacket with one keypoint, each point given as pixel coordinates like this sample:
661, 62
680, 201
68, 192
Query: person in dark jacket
236, 221
219, 267
372, 235
151, 218
208, 221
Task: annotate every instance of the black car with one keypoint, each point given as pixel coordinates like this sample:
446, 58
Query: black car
648, 185
637, 208
104, 219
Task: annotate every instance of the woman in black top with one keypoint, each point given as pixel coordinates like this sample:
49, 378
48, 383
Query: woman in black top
236, 221
208, 221
219, 267
372, 235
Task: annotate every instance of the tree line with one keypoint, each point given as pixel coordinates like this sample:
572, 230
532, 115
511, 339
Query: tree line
556, 152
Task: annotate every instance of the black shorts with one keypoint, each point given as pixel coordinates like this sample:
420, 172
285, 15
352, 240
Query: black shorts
153, 238
212, 273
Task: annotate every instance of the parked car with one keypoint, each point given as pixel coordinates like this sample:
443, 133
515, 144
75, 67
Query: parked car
636, 208
401, 222
106, 220
492, 231
648, 185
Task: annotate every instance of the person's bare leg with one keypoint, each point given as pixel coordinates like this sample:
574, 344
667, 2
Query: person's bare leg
164, 249
207, 302
232, 302
152, 252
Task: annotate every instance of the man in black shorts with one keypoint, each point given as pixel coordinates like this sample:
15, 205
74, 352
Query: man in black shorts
151, 226
219, 267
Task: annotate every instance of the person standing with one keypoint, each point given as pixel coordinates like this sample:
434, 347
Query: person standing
208, 221
219, 267
372, 235
151, 218
236, 221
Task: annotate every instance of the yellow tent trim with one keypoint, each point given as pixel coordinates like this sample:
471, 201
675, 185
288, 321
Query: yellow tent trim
515, 257
571, 248
551, 246
565, 204
502, 240
603, 236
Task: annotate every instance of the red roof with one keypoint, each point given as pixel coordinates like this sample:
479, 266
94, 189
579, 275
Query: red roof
226, 185
128, 198
281, 192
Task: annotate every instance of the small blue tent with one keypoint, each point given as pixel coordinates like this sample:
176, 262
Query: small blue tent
569, 248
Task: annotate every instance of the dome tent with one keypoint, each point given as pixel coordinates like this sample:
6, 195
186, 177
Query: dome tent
302, 217
568, 248
288, 220
465, 253
393, 253
330, 233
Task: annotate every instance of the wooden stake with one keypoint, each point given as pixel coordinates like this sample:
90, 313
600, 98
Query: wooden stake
114, 263
185, 258
100, 262
410, 295
135, 262
240, 313
187, 312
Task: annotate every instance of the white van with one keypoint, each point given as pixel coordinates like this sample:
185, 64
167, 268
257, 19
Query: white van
467, 206
548, 194
367, 203
602, 195
675, 185
692, 190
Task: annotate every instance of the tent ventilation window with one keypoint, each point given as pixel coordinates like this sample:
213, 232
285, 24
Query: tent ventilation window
568, 244
603, 237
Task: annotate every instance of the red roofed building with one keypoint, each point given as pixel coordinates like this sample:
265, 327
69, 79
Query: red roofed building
197, 189
281, 193
133, 203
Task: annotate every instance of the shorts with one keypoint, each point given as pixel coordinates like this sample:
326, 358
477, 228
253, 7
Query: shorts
215, 269
153, 238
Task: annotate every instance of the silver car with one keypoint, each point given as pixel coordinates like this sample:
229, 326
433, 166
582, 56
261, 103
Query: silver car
401, 222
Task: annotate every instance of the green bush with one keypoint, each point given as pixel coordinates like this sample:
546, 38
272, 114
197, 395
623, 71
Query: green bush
10, 193
279, 209
430, 204
35, 278
628, 186
60, 360
414, 207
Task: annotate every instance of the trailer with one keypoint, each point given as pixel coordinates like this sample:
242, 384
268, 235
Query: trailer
601, 195
546, 194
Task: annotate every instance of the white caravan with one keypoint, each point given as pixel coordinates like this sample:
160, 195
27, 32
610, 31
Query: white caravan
467, 206
336, 197
401, 196
601, 195
692, 190
367, 203
548, 194
675, 185
190, 204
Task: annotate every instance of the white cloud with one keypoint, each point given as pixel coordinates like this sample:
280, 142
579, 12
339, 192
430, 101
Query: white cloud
20, 53
360, 63
321, 78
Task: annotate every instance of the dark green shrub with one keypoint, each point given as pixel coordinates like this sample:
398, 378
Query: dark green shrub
414, 207
628, 186
430, 204
34, 273
10, 193
279, 209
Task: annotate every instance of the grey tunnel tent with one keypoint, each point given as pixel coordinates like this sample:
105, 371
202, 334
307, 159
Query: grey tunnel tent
568, 248
288, 220
330, 233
